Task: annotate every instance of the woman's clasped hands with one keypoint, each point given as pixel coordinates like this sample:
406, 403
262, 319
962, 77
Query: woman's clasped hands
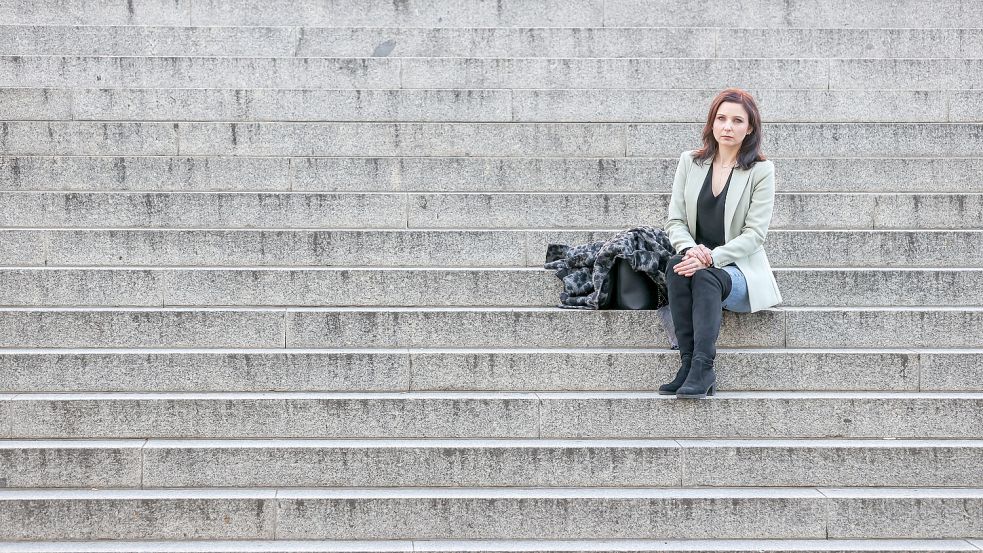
696, 258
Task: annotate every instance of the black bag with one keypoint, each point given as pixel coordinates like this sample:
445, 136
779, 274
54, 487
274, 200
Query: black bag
631, 289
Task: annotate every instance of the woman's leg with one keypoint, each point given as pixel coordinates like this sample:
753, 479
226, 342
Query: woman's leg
738, 300
681, 306
709, 288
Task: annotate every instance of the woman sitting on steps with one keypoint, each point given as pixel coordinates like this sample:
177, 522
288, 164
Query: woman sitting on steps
722, 199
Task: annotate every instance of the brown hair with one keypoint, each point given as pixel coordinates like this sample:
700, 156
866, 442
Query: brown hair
750, 151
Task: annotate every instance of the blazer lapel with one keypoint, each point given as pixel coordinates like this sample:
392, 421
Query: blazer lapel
738, 182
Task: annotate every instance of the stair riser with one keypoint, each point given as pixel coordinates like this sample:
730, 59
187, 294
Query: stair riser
448, 248
498, 73
592, 105
359, 174
547, 467
468, 139
467, 518
476, 13
583, 42
432, 288
478, 211
367, 371
647, 417
543, 466
490, 329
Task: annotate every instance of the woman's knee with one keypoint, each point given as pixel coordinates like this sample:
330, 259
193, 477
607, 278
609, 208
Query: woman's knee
670, 273
704, 276
673, 261
713, 281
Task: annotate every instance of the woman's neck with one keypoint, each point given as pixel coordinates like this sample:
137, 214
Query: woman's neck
727, 157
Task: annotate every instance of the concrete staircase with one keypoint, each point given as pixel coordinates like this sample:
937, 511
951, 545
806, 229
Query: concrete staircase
270, 277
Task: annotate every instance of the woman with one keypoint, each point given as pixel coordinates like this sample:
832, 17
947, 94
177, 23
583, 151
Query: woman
722, 199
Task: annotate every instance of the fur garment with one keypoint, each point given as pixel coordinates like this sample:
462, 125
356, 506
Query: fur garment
585, 270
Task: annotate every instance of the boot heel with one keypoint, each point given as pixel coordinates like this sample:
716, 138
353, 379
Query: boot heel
700, 382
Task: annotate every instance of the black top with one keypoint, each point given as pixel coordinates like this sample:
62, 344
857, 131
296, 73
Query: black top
710, 213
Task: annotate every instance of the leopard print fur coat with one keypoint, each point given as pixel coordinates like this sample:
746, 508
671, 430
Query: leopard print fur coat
585, 269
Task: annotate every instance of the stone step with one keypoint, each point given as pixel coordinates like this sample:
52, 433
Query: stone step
489, 546
563, 73
507, 13
495, 73
590, 105
395, 327
539, 327
501, 42
929, 249
468, 139
137, 327
412, 174
519, 513
340, 13
337, 287
199, 72
512, 369
830, 248
492, 463
312, 210
763, 13
265, 104
921, 415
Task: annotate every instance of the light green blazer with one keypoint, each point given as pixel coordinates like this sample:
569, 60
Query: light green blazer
747, 213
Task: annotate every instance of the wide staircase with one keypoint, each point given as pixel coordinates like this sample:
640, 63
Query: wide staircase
271, 277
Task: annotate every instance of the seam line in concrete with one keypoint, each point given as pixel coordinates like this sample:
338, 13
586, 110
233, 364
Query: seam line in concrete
46, 248
276, 513
682, 463
299, 31
406, 209
10, 414
409, 370
785, 329
918, 366
624, 138
143, 463
873, 214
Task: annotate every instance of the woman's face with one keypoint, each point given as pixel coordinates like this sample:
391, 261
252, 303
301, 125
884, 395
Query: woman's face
730, 125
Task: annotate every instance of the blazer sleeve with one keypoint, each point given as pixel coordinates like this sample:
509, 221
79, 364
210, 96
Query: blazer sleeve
676, 225
752, 236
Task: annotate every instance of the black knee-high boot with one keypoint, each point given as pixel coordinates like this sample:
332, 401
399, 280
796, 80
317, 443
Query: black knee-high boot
710, 287
681, 306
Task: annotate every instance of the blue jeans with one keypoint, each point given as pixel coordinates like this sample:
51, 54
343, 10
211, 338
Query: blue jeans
738, 300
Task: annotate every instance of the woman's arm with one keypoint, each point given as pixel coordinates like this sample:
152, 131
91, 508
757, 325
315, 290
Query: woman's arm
755, 224
676, 226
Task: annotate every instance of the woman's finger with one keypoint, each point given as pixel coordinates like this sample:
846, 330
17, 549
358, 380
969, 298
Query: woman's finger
704, 253
687, 267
